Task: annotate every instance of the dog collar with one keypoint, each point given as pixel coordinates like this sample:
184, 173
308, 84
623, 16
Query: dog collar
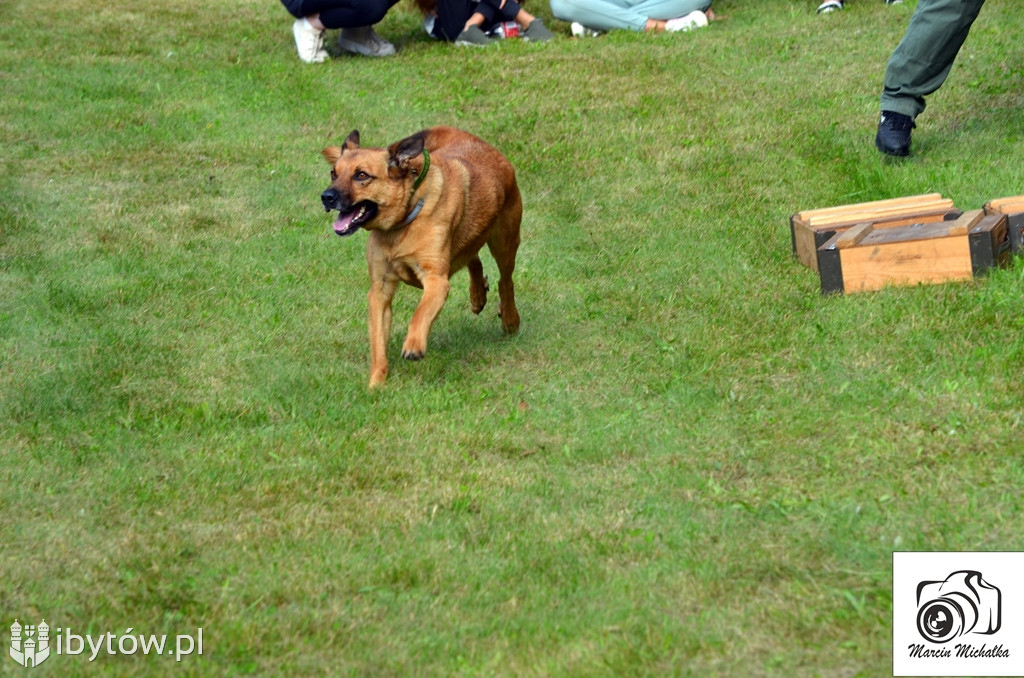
423, 172
416, 184
415, 212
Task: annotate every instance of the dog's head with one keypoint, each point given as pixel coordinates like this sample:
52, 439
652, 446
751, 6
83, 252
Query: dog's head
371, 187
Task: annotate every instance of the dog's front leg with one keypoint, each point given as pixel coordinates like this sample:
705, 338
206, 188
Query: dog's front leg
382, 291
435, 293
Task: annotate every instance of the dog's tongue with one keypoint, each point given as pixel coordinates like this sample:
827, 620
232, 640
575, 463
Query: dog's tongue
343, 226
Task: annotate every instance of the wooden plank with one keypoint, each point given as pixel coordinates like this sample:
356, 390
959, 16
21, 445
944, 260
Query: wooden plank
925, 231
911, 233
804, 244
966, 222
906, 262
851, 236
907, 202
1011, 208
1008, 205
879, 214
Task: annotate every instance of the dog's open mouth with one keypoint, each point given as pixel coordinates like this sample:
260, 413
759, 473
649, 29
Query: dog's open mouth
349, 222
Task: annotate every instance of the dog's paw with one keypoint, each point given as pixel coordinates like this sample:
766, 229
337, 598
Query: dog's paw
413, 349
378, 377
509, 320
415, 345
478, 296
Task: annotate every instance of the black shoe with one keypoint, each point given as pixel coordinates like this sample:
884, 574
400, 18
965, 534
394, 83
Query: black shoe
893, 136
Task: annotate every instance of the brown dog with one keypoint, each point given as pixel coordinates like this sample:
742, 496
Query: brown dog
430, 201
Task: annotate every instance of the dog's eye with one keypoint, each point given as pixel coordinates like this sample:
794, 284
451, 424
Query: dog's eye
361, 176
334, 175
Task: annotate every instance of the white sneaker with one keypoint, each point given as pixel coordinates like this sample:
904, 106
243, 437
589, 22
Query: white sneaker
695, 19
364, 41
581, 31
309, 42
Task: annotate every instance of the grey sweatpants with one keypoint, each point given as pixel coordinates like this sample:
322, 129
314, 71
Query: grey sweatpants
920, 63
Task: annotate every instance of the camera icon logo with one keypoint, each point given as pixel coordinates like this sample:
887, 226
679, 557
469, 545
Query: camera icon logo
962, 603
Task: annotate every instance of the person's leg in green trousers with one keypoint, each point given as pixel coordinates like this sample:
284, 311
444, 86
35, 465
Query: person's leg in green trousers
919, 65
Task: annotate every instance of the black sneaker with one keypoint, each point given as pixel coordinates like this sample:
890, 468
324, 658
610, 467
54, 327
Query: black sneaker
893, 136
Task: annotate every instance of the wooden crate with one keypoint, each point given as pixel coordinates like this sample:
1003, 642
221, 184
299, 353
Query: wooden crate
1013, 208
811, 229
864, 258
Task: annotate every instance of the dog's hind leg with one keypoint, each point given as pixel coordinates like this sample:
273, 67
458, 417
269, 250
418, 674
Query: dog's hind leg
477, 285
504, 244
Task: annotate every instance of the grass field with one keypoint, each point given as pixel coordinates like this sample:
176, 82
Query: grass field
688, 462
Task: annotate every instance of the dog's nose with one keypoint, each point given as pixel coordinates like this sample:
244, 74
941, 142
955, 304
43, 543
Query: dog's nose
330, 199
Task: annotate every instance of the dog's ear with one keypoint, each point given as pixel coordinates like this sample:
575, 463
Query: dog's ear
402, 155
353, 141
331, 154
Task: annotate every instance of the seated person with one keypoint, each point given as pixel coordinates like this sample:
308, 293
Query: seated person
635, 15
467, 22
355, 18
